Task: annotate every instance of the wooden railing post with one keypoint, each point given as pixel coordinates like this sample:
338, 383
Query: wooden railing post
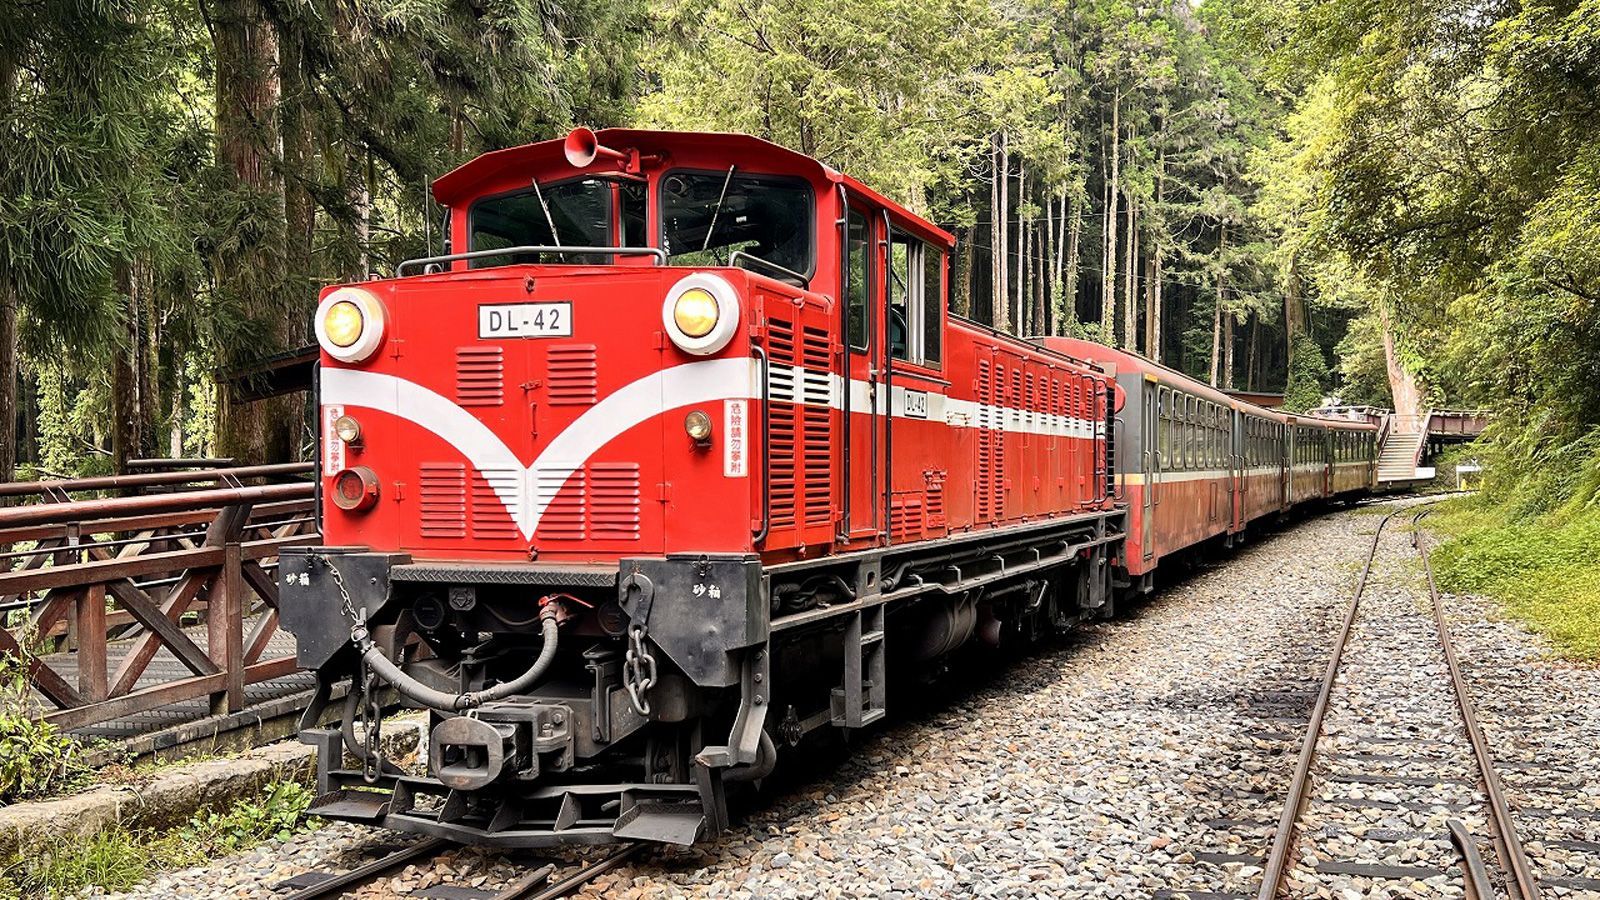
225, 630
67, 555
92, 661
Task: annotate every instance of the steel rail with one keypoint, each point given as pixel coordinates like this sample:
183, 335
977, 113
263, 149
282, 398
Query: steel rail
1283, 839
369, 871
1473, 873
1512, 856
576, 880
532, 886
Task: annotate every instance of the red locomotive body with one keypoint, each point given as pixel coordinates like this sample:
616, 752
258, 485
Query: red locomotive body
683, 420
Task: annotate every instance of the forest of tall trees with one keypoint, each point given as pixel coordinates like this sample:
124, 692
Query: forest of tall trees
1392, 203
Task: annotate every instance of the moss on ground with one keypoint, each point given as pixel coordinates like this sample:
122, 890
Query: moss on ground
1544, 570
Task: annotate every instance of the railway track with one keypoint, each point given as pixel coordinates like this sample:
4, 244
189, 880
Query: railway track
546, 881
1402, 754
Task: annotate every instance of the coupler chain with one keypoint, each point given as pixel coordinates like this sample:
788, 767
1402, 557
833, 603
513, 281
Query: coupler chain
638, 669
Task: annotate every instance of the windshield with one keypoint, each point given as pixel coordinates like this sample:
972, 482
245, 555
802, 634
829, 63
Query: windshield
706, 216
580, 211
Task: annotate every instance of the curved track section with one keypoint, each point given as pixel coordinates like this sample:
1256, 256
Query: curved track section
1399, 754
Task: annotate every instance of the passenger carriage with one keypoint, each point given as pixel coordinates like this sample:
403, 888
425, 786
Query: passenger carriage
1196, 464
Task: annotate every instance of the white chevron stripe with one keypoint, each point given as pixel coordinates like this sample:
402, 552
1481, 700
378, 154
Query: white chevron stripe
633, 404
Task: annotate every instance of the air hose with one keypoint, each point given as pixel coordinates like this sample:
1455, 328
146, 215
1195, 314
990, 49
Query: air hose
766, 761
445, 701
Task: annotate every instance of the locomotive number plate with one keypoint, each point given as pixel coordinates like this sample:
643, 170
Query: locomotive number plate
525, 320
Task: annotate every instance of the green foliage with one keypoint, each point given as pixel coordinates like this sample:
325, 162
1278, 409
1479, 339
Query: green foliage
1442, 155
273, 816
1541, 568
36, 758
1363, 380
1308, 375
837, 81
116, 859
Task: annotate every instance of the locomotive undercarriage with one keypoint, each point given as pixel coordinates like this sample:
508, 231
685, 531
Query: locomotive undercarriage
671, 679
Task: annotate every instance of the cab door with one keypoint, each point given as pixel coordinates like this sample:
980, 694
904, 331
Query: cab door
865, 396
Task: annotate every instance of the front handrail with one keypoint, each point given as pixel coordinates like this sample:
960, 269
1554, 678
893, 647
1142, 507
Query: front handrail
658, 253
737, 255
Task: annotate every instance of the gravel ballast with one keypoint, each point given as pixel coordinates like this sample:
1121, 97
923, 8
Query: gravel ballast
1140, 758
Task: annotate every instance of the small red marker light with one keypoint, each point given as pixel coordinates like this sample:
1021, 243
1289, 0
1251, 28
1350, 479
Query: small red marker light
355, 489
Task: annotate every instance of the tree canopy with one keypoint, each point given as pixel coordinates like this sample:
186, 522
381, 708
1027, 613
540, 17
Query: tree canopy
1392, 203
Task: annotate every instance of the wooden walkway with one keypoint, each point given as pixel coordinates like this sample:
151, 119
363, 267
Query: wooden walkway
135, 615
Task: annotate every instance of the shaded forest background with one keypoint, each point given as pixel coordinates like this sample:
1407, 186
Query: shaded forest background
1395, 203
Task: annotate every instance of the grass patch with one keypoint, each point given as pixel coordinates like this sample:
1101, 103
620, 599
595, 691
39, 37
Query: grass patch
116, 859
1543, 569
37, 759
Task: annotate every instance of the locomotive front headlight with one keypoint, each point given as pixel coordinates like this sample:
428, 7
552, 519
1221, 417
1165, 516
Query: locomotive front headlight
701, 313
343, 323
350, 324
695, 312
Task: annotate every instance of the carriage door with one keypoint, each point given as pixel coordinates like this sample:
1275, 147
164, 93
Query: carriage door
1149, 463
1236, 465
864, 395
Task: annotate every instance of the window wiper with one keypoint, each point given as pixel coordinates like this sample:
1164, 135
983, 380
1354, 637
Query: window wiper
717, 210
554, 237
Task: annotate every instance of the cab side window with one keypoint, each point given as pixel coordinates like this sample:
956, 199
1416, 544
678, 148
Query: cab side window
858, 278
916, 300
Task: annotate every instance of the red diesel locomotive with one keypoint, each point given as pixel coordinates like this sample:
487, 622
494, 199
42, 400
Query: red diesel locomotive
642, 477
646, 475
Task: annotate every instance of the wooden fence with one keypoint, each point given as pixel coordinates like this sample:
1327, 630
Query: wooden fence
92, 589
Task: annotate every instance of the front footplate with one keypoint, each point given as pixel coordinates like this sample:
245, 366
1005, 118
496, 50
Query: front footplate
511, 816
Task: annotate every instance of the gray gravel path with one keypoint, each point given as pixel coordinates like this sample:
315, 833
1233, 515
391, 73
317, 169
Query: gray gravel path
1141, 758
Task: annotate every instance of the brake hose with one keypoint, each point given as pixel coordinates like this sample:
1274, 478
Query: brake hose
444, 701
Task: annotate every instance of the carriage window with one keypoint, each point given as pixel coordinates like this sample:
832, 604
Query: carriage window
1164, 428
1191, 450
708, 216
573, 213
858, 275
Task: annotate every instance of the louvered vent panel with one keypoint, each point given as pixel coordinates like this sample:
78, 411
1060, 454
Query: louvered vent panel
443, 491
985, 441
905, 516
934, 508
496, 498
572, 375
480, 376
561, 491
816, 436
614, 501
782, 420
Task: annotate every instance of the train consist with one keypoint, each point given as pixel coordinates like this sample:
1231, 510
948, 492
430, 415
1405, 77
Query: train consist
675, 448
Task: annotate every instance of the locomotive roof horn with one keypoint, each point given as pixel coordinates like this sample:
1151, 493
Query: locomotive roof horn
582, 148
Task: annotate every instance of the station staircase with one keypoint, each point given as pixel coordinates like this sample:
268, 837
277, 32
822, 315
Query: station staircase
1402, 450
